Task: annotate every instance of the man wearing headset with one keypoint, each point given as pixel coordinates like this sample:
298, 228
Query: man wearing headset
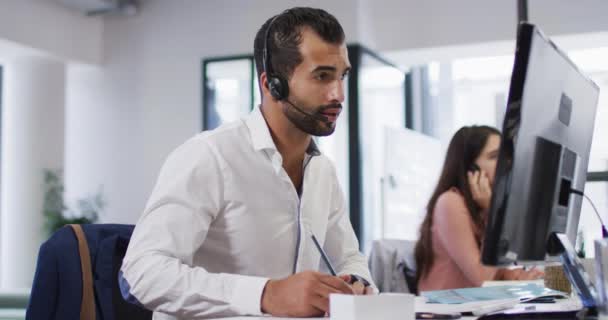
231, 225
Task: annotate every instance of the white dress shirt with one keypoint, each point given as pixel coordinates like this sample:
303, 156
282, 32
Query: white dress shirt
224, 218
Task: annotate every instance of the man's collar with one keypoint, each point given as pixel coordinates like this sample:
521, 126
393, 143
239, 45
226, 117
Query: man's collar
312, 149
260, 134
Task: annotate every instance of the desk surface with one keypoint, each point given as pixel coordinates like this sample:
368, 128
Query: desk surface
263, 318
266, 318
565, 302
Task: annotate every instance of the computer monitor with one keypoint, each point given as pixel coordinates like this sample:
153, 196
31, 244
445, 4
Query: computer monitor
544, 152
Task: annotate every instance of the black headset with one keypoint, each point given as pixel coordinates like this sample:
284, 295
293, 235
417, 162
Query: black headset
277, 85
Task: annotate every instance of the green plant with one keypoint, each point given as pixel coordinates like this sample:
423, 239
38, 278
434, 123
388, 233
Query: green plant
56, 212
580, 244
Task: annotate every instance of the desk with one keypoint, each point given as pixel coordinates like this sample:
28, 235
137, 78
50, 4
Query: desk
564, 302
12, 314
263, 318
273, 318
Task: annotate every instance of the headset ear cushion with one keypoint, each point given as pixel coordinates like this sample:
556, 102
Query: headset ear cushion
278, 88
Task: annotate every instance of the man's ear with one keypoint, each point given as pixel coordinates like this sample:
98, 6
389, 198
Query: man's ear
264, 84
263, 80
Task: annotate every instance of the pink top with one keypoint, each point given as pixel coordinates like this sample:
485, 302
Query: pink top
457, 259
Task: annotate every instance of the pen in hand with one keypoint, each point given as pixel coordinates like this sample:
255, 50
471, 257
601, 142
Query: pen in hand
324, 256
353, 278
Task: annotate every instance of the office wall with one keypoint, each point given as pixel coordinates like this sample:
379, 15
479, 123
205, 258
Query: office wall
439, 30
409, 24
563, 17
414, 24
44, 25
161, 50
125, 116
143, 97
103, 149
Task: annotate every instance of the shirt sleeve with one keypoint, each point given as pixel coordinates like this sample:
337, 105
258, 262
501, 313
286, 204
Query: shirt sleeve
341, 244
158, 269
454, 226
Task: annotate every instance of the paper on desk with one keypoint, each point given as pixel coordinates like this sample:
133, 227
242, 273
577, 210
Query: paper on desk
570, 304
573, 304
468, 307
495, 283
465, 295
385, 306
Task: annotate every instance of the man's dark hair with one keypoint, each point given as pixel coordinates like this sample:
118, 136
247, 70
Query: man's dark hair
286, 35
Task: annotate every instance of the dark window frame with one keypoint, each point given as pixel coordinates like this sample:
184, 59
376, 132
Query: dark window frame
597, 176
205, 90
355, 55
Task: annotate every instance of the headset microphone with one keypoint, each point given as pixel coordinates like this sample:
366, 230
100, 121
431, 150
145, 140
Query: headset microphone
315, 116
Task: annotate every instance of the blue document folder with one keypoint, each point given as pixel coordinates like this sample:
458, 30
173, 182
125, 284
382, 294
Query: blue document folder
456, 296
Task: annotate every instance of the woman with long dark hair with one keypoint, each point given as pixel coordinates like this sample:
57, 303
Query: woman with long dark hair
448, 252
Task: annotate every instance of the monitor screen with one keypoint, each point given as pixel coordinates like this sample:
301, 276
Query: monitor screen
544, 152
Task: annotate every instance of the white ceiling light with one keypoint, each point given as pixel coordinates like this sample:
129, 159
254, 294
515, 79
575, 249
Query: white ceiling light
103, 7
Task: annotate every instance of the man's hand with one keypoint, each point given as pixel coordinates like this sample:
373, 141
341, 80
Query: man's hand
304, 294
358, 287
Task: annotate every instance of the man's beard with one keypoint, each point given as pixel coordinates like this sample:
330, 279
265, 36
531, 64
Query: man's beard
311, 122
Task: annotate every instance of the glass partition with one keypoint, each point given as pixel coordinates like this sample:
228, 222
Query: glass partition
381, 107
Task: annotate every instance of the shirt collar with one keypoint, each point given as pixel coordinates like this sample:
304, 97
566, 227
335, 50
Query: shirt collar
258, 129
312, 149
260, 134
